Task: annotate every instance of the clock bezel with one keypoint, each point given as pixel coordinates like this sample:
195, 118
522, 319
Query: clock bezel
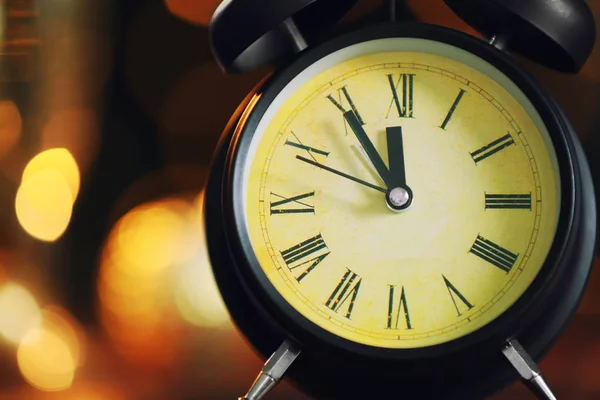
308, 333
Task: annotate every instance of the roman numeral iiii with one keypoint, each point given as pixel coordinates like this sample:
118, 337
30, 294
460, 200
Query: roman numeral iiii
494, 254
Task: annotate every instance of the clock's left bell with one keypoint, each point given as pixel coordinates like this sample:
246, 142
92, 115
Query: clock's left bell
246, 34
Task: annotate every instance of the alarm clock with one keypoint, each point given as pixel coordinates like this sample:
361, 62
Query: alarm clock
400, 210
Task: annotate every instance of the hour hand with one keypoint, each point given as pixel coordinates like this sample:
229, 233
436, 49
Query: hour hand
396, 156
400, 195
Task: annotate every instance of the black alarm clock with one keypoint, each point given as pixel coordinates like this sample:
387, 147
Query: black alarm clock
401, 210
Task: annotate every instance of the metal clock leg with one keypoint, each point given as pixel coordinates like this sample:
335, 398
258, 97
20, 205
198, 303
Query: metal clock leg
528, 369
273, 371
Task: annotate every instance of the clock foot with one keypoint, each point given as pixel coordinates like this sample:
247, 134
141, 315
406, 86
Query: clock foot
273, 371
528, 369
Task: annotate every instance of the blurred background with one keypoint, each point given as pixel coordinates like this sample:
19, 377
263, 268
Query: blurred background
109, 114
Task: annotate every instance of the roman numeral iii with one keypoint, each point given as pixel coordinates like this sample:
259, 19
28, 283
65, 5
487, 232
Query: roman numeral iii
293, 205
397, 310
455, 294
494, 254
404, 101
344, 294
492, 148
508, 201
305, 256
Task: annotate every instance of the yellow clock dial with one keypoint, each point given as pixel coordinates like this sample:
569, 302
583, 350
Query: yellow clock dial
483, 184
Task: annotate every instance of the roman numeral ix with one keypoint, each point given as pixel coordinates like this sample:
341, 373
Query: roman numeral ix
494, 254
294, 204
405, 107
305, 256
345, 293
394, 309
508, 201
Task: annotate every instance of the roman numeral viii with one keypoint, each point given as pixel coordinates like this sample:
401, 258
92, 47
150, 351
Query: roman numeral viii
404, 102
492, 148
305, 256
339, 103
394, 309
455, 294
508, 201
293, 205
345, 293
494, 254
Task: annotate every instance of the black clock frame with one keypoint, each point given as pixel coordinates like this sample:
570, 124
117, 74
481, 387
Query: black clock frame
332, 367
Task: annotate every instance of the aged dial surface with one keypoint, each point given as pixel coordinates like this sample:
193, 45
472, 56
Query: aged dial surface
474, 177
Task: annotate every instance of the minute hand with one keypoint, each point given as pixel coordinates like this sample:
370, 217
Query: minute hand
372, 153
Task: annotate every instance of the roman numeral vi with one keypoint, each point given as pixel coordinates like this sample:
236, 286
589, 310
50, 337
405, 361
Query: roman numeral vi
393, 316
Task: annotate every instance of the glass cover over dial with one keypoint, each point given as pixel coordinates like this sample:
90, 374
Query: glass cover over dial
401, 193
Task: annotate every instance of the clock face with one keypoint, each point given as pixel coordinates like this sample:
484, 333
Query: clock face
401, 193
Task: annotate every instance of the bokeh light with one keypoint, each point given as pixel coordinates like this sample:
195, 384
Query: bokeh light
155, 276
49, 188
59, 159
19, 312
46, 361
44, 205
75, 129
137, 278
49, 355
199, 12
10, 126
197, 295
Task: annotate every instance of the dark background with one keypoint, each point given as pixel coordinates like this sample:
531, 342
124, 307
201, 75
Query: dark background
123, 294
